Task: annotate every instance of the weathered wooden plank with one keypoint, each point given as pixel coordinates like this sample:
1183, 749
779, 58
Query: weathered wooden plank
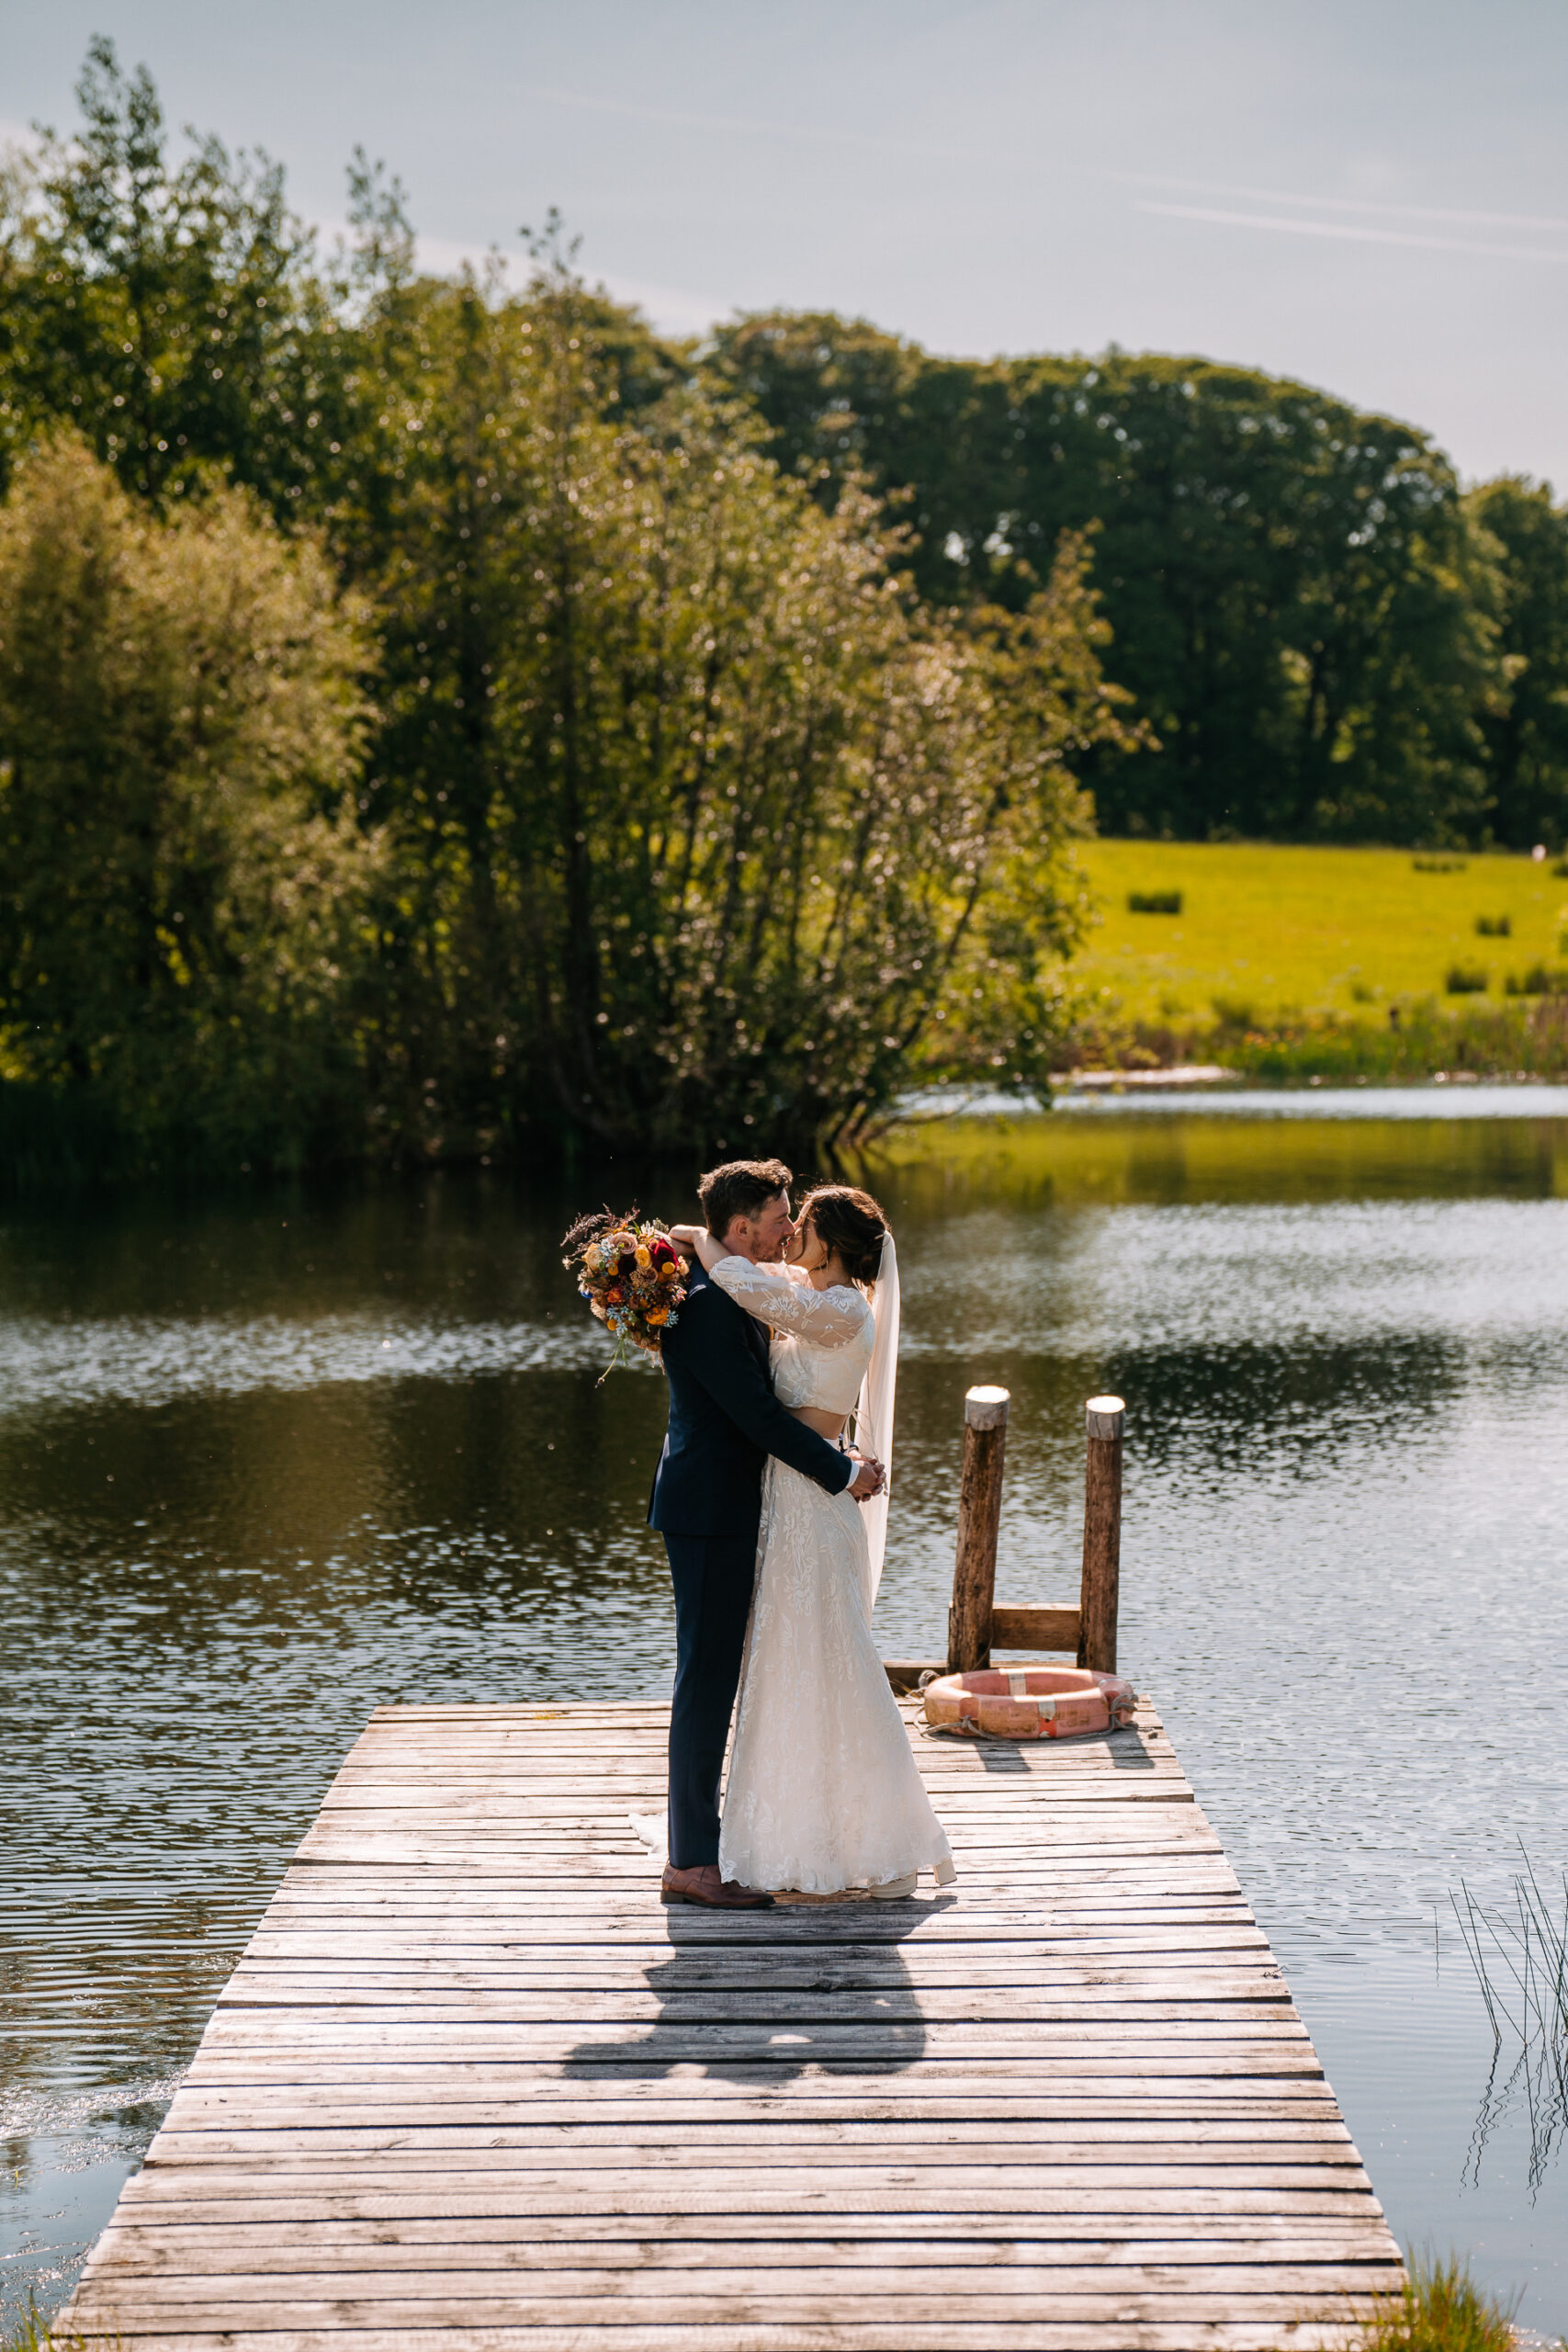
275, 2127
386, 1947
260, 2154
1216, 2075
922, 2092
1184, 2263
480, 2297
158, 2244
841, 2201
1094, 2120
612, 2174
435, 2334
1234, 2000
1174, 1975
172, 2238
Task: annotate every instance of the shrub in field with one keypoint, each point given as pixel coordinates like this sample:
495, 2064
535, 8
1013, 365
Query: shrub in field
1494, 926
1154, 902
1439, 865
1538, 982
1465, 980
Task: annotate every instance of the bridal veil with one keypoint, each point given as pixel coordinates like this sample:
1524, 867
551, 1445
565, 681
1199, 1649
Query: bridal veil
874, 1414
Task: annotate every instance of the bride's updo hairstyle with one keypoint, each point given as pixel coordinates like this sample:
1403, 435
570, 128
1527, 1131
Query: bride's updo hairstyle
847, 1220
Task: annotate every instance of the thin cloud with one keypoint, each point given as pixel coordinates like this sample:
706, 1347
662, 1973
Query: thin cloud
1351, 235
1350, 203
927, 151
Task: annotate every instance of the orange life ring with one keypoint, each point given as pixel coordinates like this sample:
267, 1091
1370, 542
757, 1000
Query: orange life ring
1030, 1702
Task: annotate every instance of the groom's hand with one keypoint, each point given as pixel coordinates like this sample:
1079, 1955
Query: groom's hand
869, 1479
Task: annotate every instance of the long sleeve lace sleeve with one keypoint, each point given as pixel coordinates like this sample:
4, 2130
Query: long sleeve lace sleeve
828, 1318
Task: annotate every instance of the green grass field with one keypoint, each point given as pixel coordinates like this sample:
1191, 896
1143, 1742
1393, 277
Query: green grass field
1267, 934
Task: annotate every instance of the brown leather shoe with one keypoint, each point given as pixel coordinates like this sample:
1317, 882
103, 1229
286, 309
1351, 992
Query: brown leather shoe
705, 1885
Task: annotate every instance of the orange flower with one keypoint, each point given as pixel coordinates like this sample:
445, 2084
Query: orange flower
657, 1315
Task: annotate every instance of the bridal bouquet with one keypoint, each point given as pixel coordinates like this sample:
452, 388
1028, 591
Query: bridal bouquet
630, 1276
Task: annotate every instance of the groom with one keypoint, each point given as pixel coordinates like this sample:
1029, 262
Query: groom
707, 1502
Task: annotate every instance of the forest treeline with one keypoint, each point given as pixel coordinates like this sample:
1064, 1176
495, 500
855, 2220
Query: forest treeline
437, 719
1330, 638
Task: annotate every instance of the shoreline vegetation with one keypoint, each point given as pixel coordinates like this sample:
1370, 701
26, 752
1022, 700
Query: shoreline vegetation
441, 723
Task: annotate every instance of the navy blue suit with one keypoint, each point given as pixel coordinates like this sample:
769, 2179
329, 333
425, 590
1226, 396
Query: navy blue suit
706, 1501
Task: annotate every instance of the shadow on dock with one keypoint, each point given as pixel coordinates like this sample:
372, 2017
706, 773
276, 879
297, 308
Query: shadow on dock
845, 2003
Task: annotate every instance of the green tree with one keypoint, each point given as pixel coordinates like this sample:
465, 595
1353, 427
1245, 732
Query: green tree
706, 826
149, 303
181, 873
1526, 730
1298, 604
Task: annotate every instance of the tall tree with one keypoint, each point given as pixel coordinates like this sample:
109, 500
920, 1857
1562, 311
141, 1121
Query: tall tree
146, 300
1526, 730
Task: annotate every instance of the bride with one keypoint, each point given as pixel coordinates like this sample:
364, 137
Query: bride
823, 1793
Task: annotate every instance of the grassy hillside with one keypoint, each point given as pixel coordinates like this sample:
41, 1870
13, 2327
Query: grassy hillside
1277, 931
1333, 959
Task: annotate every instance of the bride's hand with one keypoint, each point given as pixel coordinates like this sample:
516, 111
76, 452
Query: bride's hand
697, 1242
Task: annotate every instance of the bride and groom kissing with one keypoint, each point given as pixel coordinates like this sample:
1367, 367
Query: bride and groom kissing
774, 1530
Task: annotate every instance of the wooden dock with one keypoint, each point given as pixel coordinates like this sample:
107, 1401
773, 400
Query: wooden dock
471, 2085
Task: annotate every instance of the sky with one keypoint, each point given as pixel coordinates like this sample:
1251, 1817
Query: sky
1368, 194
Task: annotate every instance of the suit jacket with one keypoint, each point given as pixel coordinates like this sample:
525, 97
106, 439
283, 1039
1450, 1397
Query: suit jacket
724, 1422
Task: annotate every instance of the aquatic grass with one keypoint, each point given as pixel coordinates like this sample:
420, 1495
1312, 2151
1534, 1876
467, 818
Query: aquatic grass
1439, 2309
1520, 1959
32, 2332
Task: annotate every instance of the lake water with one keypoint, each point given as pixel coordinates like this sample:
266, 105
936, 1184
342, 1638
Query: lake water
270, 1459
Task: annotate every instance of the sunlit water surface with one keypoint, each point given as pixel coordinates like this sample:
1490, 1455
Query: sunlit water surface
266, 1461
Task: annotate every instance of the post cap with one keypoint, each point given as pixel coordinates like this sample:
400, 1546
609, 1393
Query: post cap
1106, 1415
986, 1409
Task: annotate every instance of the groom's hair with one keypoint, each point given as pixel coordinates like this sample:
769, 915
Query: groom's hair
740, 1188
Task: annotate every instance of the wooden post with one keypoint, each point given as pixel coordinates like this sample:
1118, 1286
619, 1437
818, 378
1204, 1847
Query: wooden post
1102, 1535
979, 1516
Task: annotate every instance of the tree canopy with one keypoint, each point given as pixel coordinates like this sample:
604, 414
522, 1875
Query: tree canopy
1297, 599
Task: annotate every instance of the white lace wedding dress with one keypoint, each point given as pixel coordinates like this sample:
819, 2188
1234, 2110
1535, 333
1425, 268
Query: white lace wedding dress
823, 1792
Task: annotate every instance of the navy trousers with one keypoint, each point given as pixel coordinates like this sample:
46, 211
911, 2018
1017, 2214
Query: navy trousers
713, 1576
